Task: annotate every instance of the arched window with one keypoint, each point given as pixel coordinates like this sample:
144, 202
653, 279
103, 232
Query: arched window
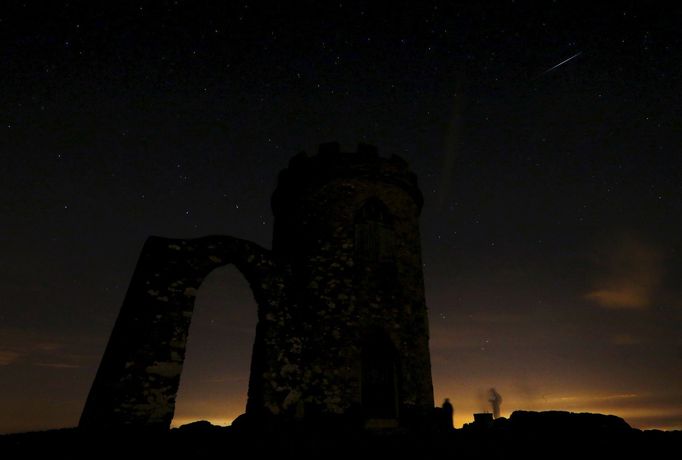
374, 234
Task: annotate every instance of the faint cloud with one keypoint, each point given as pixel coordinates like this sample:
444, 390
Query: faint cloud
625, 297
58, 365
505, 318
624, 340
588, 399
39, 349
8, 357
48, 346
631, 274
224, 379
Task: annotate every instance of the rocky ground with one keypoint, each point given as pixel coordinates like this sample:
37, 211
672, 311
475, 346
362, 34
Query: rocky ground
523, 435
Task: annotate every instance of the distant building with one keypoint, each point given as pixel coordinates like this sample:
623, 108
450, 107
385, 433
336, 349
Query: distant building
483, 420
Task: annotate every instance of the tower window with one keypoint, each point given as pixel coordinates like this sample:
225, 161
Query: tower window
374, 234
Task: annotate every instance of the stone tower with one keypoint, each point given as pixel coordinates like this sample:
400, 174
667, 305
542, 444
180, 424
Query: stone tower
342, 321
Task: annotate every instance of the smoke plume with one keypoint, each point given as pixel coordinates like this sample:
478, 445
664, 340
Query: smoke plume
495, 401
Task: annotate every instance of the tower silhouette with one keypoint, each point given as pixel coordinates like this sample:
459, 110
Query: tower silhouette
342, 321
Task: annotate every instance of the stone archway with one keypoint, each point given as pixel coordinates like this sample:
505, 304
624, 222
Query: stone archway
348, 257
215, 374
138, 378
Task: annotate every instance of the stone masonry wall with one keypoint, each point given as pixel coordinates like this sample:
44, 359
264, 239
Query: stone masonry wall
345, 271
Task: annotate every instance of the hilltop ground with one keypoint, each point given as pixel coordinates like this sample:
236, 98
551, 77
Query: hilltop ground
523, 435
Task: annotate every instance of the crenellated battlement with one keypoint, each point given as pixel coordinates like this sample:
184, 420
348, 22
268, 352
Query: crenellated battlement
306, 173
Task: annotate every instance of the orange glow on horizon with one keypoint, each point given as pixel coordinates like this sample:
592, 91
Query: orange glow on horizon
220, 421
639, 415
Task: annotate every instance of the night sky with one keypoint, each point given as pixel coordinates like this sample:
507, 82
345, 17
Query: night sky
552, 225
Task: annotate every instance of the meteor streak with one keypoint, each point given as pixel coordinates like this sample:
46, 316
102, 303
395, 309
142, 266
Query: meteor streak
562, 62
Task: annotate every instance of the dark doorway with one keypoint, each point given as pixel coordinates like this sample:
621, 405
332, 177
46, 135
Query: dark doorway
379, 377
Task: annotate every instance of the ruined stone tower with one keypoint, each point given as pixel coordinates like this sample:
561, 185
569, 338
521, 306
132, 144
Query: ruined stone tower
342, 322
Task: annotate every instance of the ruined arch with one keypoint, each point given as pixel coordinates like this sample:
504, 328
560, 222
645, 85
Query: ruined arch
138, 377
343, 261
215, 374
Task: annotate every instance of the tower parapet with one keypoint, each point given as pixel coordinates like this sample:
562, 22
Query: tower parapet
306, 173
